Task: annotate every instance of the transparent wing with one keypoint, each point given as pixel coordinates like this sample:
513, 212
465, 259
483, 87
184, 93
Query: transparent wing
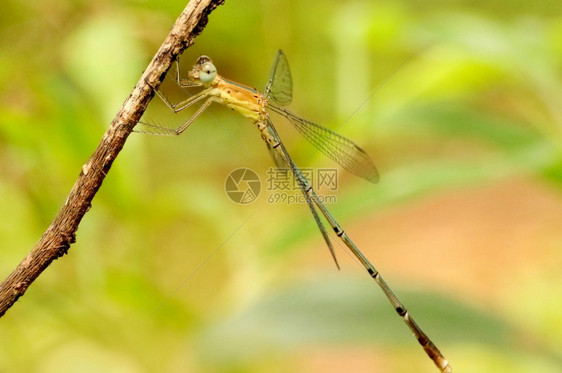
154, 129
282, 159
279, 88
333, 145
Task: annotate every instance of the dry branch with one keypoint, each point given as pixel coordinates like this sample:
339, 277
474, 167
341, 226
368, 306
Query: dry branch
57, 239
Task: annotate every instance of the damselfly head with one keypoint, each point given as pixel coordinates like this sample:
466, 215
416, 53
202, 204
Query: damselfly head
203, 71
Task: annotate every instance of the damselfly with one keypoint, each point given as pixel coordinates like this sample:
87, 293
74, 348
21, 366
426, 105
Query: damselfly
254, 105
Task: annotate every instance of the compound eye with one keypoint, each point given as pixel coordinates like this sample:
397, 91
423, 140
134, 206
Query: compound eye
208, 72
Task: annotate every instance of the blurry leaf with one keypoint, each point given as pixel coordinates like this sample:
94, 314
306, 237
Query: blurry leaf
86, 357
105, 59
337, 311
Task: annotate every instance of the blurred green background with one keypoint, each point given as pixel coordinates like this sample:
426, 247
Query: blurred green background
169, 275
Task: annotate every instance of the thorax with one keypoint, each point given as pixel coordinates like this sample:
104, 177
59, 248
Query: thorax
243, 99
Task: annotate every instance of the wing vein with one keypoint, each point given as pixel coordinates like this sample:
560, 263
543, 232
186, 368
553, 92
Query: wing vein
335, 146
